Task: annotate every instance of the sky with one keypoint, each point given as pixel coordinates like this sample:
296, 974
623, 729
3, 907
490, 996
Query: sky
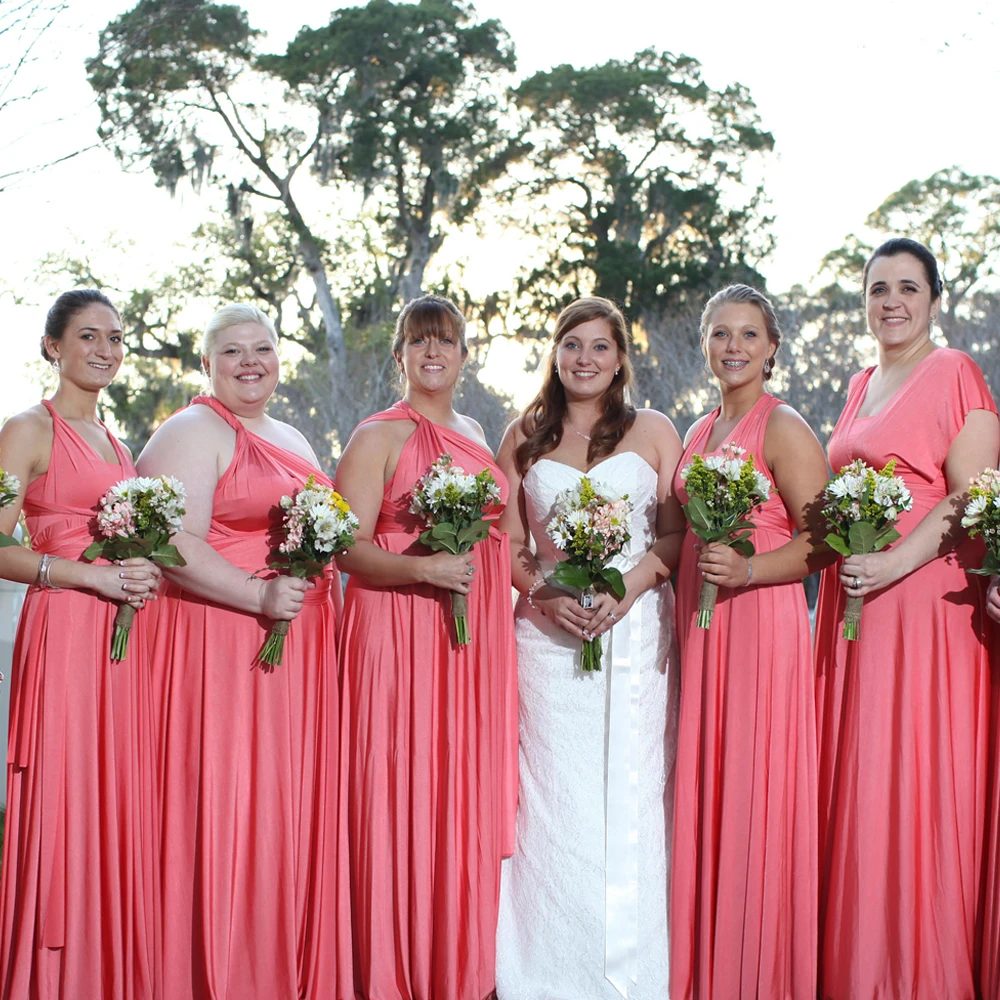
861, 96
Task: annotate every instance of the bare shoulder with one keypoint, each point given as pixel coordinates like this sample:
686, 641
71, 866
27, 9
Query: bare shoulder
194, 421
472, 429
35, 420
695, 427
787, 424
515, 433
378, 437
653, 422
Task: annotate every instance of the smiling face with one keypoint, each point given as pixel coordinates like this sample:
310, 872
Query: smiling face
586, 359
90, 351
899, 301
737, 344
243, 367
431, 360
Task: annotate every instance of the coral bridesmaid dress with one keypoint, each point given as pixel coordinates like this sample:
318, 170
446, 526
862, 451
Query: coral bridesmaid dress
430, 739
79, 888
249, 761
745, 870
903, 724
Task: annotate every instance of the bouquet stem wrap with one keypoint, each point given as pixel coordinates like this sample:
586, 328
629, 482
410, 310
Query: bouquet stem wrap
459, 611
274, 646
123, 629
706, 603
852, 617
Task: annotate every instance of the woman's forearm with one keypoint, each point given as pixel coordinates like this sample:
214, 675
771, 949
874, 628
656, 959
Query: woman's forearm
657, 565
795, 560
210, 575
381, 568
938, 532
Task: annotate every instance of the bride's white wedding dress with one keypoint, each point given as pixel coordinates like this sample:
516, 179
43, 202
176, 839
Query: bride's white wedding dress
584, 899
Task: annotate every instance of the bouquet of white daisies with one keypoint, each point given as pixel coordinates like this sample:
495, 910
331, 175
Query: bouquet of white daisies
317, 523
137, 518
982, 518
722, 492
591, 525
452, 504
862, 507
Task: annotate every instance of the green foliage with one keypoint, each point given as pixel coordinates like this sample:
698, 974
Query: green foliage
155, 547
654, 159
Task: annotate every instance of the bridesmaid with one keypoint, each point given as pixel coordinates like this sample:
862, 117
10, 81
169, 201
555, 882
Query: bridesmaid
429, 732
248, 755
78, 895
904, 711
745, 880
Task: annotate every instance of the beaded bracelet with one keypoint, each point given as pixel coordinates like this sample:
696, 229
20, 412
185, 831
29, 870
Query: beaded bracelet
529, 596
749, 572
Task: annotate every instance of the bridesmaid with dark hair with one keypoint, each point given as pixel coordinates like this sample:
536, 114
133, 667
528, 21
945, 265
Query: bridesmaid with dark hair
78, 898
248, 754
904, 710
429, 734
745, 880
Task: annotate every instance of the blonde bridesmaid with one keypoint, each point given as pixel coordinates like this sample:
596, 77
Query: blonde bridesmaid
745, 879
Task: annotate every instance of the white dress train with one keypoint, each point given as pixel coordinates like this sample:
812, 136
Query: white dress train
584, 898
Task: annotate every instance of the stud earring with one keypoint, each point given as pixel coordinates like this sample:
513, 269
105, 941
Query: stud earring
618, 369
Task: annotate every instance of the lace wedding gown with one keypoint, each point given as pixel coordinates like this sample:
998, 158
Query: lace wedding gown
584, 898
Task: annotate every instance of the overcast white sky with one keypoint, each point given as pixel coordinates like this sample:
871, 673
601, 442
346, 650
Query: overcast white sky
861, 95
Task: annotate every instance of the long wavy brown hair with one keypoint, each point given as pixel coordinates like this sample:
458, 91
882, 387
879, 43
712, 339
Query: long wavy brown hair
542, 419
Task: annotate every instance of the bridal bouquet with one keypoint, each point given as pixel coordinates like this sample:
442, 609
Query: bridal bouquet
452, 505
722, 492
591, 525
317, 524
862, 507
10, 487
982, 517
137, 518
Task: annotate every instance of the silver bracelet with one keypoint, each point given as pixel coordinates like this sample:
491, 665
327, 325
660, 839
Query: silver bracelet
44, 572
529, 596
749, 572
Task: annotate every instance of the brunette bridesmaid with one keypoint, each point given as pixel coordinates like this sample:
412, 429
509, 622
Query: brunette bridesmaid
904, 710
430, 727
745, 868
248, 754
78, 897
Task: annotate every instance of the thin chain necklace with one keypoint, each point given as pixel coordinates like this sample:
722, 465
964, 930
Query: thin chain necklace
586, 437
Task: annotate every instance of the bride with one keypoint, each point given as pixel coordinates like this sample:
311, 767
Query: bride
583, 900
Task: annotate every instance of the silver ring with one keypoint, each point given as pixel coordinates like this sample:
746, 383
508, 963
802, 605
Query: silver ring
613, 616
468, 572
857, 583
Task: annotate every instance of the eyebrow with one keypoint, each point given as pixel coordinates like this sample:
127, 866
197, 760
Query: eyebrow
96, 329
256, 343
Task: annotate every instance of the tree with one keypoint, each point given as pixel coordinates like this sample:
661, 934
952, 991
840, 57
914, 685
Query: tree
955, 214
649, 162
413, 115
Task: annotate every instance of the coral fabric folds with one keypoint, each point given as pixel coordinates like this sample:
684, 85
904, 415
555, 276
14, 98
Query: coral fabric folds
248, 761
744, 893
79, 861
903, 725
430, 741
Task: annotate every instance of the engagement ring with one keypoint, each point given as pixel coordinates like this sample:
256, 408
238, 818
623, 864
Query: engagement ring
857, 582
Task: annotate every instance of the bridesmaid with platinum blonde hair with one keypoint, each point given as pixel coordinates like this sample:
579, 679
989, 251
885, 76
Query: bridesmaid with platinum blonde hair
745, 882
248, 754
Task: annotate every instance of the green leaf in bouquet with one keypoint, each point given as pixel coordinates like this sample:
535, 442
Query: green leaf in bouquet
571, 574
698, 514
613, 578
94, 551
837, 544
6, 541
744, 546
437, 543
861, 537
885, 537
991, 565
167, 555
472, 534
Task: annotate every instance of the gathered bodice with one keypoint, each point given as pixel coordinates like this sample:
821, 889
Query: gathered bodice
625, 473
60, 506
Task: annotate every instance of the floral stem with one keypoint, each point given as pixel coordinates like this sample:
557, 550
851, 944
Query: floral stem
591, 658
123, 629
706, 603
852, 617
274, 647
459, 610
